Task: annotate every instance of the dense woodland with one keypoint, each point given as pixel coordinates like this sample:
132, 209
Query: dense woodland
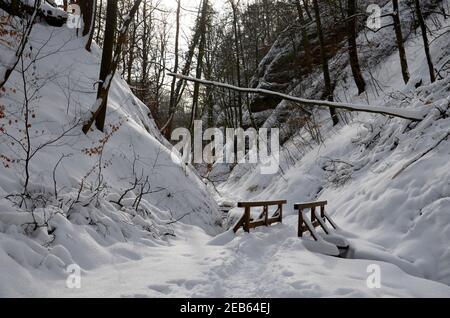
143, 40
229, 47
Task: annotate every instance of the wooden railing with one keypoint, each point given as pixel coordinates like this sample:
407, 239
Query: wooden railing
317, 219
263, 220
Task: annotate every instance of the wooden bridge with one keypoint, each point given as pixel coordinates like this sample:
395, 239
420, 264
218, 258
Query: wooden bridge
317, 219
263, 220
311, 216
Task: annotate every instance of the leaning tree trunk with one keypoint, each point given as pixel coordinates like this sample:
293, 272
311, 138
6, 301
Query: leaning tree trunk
352, 47
105, 85
400, 45
325, 68
426, 43
105, 69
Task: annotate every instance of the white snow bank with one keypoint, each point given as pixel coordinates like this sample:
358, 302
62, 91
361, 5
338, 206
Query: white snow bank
356, 169
91, 231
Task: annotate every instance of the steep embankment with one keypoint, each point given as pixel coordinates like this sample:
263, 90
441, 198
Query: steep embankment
68, 215
387, 180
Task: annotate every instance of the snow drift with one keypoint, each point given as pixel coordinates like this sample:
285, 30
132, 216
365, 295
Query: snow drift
387, 180
86, 194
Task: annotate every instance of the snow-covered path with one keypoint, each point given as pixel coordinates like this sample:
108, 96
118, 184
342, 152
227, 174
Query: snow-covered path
269, 262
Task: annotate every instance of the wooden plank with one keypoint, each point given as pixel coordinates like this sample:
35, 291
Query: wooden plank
315, 224
280, 208
322, 222
272, 221
254, 225
260, 204
300, 223
247, 220
310, 227
330, 220
266, 215
309, 205
239, 224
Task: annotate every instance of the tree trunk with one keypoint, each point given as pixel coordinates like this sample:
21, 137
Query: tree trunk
99, 18
426, 43
400, 45
87, 11
108, 48
173, 97
145, 43
305, 38
325, 68
132, 43
104, 86
200, 56
238, 62
185, 71
352, 47
308, 12
88, 8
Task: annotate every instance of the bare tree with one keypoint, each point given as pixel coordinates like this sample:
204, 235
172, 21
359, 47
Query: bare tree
111, 65
173, 98
426, 43
234, 8
88, 8
305, 38
352, 46
400, 45
324, 58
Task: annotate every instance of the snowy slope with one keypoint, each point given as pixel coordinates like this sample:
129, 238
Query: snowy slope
401, 218
267, 263
128, 253
91, 231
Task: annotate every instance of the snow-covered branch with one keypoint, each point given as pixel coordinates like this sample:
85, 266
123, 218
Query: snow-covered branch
413, 115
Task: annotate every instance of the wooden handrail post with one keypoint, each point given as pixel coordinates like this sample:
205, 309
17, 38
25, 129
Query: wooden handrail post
322, 211
266, 215
300, 223
313, 214
280, 207
247, 220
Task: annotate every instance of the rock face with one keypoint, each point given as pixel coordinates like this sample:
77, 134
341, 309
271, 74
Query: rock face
284, 68
285, 64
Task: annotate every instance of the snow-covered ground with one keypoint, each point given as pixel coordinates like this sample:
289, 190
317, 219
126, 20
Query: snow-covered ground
79, 223
267, 263
360, 168
171, 246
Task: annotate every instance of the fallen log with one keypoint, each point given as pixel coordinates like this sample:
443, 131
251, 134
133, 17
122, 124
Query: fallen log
413, 115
